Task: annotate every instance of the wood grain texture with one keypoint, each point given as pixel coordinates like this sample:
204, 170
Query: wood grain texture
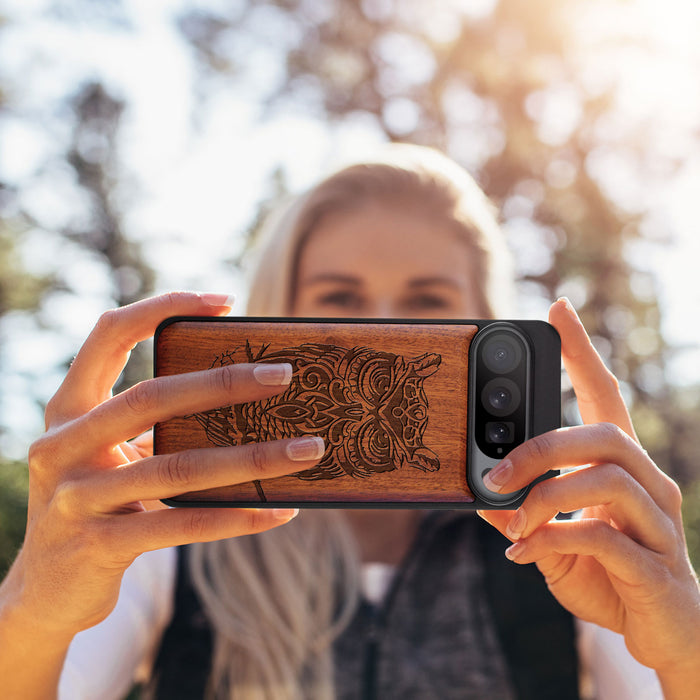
390, 401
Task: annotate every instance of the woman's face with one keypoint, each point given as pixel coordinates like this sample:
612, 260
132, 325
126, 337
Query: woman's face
385, 261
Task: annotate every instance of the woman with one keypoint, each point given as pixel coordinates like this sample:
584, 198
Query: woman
275, 602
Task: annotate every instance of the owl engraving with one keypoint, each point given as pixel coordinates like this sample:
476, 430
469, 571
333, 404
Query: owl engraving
368, 405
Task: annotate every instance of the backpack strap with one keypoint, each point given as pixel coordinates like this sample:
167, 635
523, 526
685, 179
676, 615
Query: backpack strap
536, 633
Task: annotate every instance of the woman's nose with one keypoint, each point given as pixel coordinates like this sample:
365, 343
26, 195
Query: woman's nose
383, 308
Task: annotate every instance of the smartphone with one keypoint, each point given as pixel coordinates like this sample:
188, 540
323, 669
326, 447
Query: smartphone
414, 413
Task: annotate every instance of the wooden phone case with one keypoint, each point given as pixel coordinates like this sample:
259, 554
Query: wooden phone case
388, 398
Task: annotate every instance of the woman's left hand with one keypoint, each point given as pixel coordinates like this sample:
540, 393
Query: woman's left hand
623, 564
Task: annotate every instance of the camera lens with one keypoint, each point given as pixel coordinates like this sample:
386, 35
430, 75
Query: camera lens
502, 353
500, 396
499, 432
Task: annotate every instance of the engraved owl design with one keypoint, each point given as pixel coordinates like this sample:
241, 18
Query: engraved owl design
368, 405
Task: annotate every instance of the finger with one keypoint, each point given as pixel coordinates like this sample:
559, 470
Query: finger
155, 400
497, 518
614, 550
143, 444
130, 451
606, 486
165, 476
156, 529
102, 357
596, 388
138, 448
576, 446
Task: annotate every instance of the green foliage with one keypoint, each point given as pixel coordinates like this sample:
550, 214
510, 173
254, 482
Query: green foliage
14, 483
18, 289
691, 521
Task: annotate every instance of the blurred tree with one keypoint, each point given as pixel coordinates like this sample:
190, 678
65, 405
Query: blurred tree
18, 291
92, 235
94, 156
502, 88
97, 234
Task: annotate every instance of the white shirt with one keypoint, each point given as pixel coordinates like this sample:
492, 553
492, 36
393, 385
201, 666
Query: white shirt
104, 661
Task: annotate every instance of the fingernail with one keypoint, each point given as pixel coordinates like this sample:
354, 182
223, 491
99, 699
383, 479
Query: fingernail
569, 306
499, 476
306, 448
273, 375
218, 299
517, 525
515, 550
285, 514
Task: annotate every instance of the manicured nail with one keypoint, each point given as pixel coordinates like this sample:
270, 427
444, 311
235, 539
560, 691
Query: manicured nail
285, 514
305, 448
499, 476
218, 299
517, 525
569, 306
273, 375
515, 550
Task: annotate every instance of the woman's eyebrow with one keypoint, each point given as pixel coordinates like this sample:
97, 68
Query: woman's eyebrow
433, 281
335, 278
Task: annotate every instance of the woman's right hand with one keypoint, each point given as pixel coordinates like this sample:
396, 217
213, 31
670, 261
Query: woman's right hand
87, 516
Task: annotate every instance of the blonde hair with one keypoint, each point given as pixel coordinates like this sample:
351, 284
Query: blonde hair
416, 176
277, 600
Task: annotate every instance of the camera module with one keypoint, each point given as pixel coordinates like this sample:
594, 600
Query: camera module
500, 390
505, 360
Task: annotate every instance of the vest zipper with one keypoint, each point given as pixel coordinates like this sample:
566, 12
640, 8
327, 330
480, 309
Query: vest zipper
369, 675
378, 614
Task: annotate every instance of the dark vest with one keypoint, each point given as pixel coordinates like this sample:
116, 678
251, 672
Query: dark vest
460, 621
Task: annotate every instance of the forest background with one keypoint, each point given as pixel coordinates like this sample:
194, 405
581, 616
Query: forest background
140, 143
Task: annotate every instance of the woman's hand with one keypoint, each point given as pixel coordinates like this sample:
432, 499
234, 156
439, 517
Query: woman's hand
623, 564
88, 517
